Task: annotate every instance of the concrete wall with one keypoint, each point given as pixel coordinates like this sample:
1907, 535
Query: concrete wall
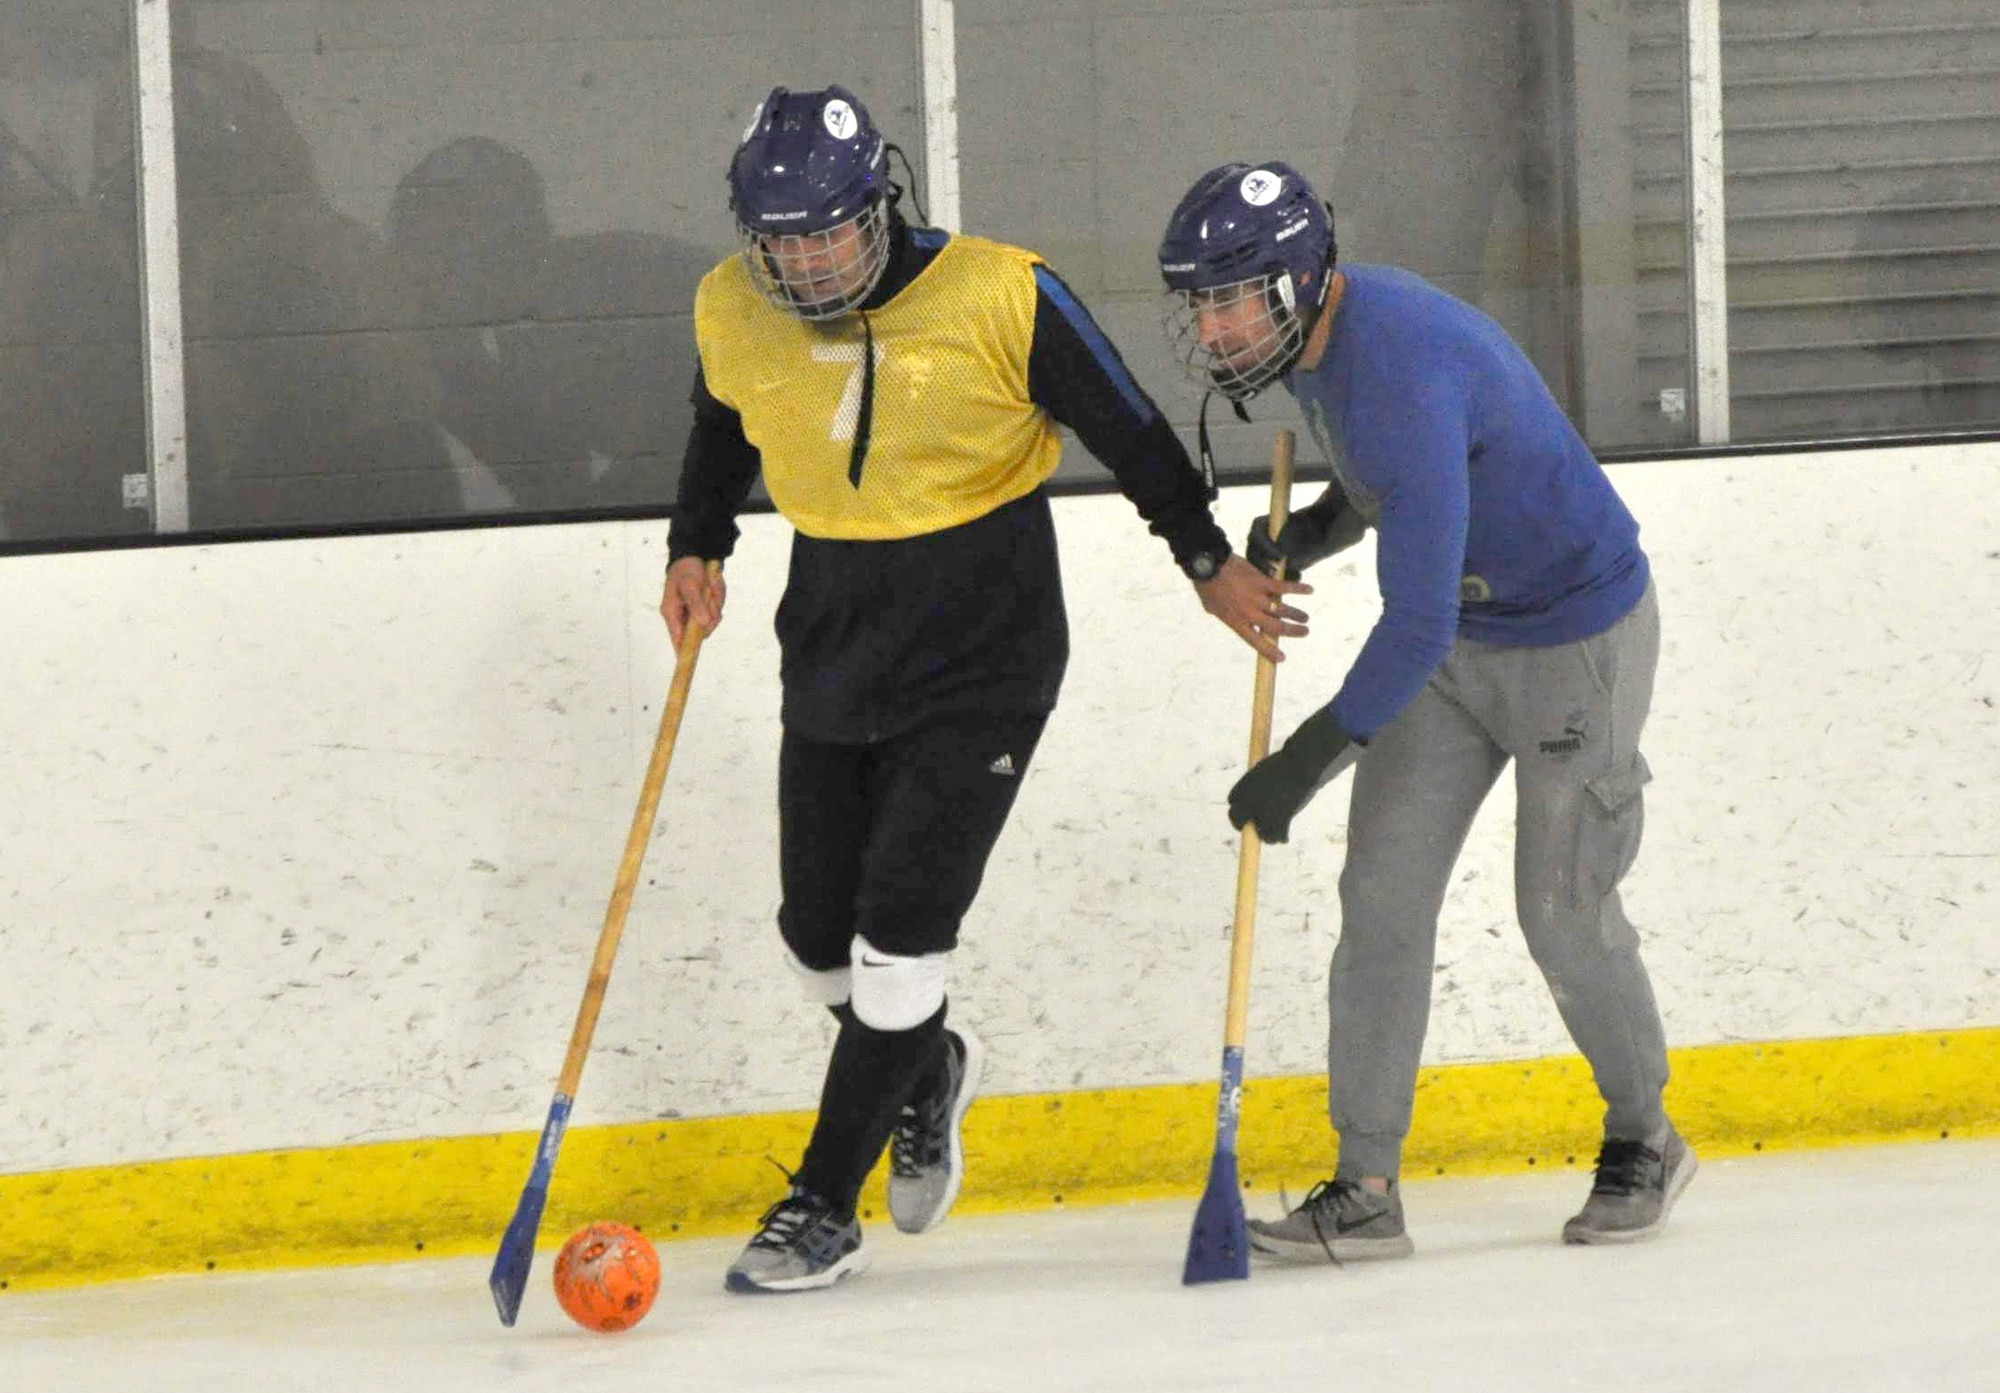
305, 843
1427, 124
512, 332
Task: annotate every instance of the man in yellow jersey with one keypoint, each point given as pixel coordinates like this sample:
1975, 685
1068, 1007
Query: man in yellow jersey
901, 390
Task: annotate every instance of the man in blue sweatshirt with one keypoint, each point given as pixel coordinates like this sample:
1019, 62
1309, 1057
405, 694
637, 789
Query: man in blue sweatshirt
1518, 626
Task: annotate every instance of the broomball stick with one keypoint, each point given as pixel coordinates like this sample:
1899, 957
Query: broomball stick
1219, 1245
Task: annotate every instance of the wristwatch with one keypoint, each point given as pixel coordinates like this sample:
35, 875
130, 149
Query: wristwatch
1204, 564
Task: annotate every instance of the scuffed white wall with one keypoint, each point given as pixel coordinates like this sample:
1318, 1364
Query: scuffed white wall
304, 843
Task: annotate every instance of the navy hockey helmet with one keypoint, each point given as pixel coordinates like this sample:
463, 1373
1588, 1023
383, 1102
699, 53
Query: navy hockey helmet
810, 192
1248, 256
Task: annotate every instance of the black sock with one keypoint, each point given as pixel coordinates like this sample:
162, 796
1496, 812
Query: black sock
933, 1079
871, 1075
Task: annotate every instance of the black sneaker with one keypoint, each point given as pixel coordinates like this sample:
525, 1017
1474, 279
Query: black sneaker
1637, 1184
1338, 1221
926, 1152
801, 1244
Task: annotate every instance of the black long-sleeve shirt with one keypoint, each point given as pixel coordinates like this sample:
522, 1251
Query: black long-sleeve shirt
878, 635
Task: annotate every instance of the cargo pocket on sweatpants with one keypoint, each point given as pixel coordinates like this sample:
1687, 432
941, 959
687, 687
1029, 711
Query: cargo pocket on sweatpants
1615, 818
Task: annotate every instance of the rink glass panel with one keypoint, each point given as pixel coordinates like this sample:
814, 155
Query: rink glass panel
70, 358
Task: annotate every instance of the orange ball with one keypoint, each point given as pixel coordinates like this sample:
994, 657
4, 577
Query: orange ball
607, 1276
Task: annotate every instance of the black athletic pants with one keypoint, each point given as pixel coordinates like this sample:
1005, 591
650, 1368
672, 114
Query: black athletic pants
889, 842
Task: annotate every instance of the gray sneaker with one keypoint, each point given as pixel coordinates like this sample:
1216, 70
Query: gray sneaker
926, 1153
1338, 1221
801, 1244
1637, 1184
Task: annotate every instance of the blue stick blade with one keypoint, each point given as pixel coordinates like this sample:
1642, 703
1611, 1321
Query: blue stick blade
517, 1245
1219, 1246
517, 1254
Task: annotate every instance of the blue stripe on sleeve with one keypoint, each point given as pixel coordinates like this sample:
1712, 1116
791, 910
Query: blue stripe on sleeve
1093, 338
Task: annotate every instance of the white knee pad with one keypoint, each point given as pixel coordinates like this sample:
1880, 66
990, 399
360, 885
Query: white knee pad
827, 986
892, 992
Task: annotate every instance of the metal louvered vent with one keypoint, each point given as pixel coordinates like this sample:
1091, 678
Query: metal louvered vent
1862, 145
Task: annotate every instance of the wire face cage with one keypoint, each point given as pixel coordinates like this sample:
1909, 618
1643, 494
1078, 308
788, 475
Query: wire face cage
820, 275
1236, 339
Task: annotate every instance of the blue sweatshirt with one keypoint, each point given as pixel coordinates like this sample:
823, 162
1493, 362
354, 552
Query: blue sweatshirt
1493, 520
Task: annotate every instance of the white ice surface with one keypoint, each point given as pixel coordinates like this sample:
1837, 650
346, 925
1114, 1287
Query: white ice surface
1817, 1272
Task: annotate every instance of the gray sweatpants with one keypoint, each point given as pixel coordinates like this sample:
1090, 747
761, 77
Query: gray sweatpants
1569, 717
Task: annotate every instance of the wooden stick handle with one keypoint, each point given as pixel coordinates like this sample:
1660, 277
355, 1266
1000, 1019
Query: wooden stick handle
635, 854
1243, 934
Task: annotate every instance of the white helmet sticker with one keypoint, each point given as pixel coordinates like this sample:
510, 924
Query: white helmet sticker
1259, 187
839, 118
751, 129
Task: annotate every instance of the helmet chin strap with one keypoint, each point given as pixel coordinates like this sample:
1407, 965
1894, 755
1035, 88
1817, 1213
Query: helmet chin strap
896, 190
864, 424
1201, 440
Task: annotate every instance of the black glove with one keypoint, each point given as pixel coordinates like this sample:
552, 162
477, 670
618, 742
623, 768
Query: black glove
1328, 526
1281, 783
